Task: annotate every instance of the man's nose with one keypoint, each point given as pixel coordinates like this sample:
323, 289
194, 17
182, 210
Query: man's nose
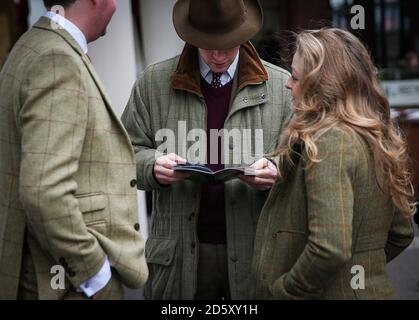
218, 54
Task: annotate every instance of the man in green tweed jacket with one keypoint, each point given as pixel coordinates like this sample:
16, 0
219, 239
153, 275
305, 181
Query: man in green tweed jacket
67, 168
201, 236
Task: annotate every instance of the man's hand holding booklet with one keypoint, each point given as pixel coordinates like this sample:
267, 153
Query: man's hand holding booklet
202, 173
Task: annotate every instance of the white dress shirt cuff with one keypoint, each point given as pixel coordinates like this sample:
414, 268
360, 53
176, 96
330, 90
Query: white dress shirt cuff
97, 282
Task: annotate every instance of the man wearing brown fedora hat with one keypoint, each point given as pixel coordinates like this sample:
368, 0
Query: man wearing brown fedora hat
201, 235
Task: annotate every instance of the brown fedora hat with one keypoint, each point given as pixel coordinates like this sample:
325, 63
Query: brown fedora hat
217, 24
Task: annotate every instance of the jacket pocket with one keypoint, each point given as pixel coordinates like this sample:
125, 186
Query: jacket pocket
287, 245
92, 206
91, 202
160, 255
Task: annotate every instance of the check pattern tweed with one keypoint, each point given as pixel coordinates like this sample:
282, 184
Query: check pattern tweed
67, 169
169, 93
322, 220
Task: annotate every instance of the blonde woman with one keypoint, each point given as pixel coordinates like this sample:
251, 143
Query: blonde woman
340, 209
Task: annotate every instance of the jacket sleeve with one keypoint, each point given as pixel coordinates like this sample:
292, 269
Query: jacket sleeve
330, 211
53, 123
400, 236
137, 121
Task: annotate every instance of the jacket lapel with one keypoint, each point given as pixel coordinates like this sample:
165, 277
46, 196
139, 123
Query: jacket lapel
105, 96
99, 85
46, 24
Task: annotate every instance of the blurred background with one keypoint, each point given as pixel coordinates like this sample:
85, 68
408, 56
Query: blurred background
141, 33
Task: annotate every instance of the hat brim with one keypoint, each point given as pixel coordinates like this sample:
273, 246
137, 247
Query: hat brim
213, 41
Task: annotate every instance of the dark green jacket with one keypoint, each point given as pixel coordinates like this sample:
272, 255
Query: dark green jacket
325, 220
165, 94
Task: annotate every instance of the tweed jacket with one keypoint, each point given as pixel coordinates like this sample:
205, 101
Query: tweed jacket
327, 228
166, 94
67, 169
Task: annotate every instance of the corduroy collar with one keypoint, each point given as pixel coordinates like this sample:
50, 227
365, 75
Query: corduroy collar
186, 75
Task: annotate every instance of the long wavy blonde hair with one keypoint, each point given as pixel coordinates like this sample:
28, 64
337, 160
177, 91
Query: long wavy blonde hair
339, 88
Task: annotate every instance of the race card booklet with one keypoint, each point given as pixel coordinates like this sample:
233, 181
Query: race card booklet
204, 174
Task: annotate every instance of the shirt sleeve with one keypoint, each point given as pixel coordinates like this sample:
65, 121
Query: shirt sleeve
98, 281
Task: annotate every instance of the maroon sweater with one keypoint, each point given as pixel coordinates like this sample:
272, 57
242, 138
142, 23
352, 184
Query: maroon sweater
212, 221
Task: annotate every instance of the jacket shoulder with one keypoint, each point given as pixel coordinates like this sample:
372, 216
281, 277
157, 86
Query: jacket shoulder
336, 134
38, 49
166, 68
342, 140
276, 72
41, 42
156, 77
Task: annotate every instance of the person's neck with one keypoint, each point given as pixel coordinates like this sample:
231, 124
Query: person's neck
80, 21
82, 25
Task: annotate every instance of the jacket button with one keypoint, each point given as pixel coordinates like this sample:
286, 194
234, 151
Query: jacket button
274, 235
263, 96
234, 259
137, 227
245, 100
133, 183
192, 216
193, 245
